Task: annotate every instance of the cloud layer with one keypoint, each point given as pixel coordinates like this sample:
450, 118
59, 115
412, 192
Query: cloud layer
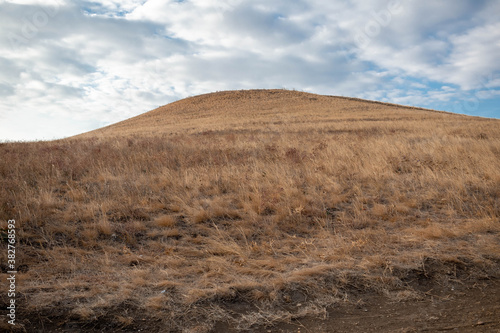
71, 66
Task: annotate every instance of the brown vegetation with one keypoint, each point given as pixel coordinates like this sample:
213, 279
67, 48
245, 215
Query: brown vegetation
249, 207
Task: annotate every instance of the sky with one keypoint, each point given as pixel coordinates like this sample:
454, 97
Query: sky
67, 67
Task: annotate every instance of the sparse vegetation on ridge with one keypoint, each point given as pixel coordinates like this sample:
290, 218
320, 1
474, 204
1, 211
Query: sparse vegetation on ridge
249, 207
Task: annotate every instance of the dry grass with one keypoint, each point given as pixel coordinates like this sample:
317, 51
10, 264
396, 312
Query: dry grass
267, 198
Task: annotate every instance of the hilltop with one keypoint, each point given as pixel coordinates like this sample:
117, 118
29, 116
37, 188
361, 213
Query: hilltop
259, 210
247, 110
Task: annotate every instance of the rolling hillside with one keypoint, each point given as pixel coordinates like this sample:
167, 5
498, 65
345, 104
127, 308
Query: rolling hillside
247, 210
262, 110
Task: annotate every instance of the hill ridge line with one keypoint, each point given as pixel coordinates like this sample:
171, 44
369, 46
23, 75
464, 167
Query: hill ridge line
188, 114
357, 99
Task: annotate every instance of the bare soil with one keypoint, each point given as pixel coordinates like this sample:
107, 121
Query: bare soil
449, 307
453, 308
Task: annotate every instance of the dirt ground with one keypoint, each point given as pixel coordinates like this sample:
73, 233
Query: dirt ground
454, 308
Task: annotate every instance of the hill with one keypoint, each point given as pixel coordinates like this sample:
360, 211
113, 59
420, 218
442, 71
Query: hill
250, 110
249, 209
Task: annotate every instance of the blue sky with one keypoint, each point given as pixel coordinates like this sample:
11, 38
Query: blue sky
68, 67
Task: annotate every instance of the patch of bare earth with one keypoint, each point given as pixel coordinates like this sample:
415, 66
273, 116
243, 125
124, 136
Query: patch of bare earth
456, 308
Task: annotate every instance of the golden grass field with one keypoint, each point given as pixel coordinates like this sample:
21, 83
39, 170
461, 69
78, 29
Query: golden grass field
249, 208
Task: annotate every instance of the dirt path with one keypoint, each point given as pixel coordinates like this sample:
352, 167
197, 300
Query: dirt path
456, 308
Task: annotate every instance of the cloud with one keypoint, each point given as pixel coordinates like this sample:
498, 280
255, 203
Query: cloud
72, 66
440, 42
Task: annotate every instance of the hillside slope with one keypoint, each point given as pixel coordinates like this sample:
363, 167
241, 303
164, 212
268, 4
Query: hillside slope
242, 210
262, 110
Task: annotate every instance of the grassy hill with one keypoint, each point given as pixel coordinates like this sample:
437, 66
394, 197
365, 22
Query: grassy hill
249, 208
262, 110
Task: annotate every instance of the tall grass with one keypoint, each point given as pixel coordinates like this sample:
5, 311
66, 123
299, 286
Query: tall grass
275, 214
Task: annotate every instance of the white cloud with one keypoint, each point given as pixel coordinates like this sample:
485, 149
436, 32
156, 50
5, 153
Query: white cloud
88, 63
34, 2
440, 42
486, 94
